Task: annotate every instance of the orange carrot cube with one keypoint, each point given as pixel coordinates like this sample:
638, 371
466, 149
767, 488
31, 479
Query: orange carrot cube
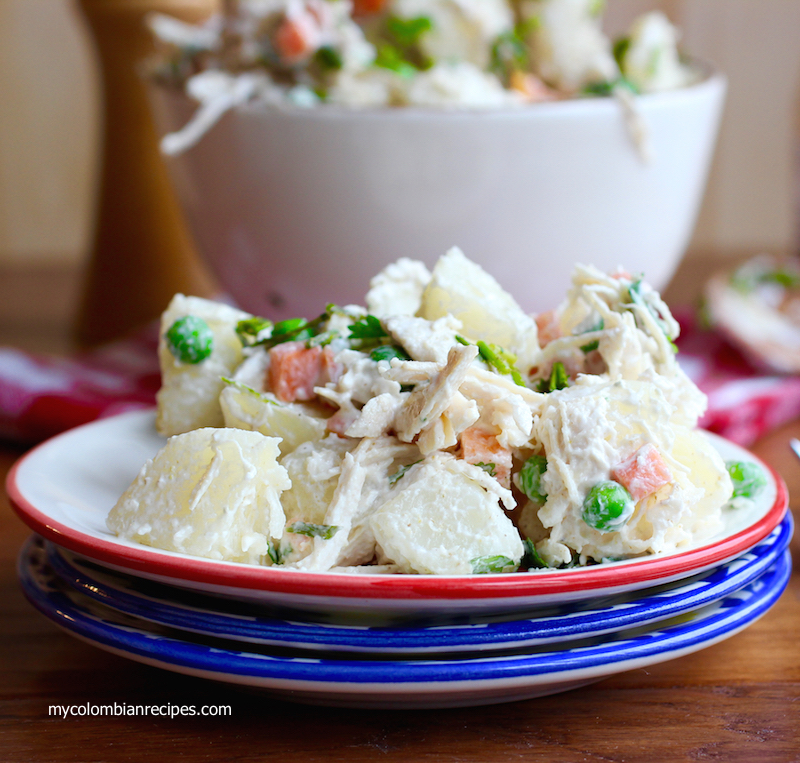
294, 371
643, 473
481, 448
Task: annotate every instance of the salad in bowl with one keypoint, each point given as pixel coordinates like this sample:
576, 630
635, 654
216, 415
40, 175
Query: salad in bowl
367, 54
437, 429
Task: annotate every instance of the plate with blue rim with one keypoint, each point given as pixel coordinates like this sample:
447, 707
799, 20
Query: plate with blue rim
64, 488
414, 683
195, 613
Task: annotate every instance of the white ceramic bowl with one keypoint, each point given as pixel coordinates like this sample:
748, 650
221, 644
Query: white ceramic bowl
297, 208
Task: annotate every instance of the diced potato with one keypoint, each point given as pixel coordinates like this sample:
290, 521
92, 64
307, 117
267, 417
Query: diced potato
246, 409
246, 406
189, 394
398, 288
314, 470
462, 288
438, 521
211, 492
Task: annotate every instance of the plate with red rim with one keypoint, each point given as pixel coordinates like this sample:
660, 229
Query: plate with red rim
64, 488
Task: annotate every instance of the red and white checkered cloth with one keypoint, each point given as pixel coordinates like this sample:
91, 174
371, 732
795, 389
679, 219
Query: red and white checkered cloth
42, 396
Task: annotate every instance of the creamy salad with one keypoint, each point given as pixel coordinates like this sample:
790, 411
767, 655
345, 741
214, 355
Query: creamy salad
474, 54
438, 429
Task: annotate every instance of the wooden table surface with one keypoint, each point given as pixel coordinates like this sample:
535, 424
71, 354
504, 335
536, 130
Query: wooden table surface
736, 701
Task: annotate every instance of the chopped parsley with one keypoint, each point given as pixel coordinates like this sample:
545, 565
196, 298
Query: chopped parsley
249, 390
328, 59
482, 565
400, 473
275, 553
530, 478
638, 299
531, 558
326, 532
250, 329
368, 327
388, 352
501, 360
558, 379
489, 468
408, 32
606, 88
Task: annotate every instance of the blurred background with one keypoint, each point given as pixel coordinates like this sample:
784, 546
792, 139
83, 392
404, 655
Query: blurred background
50, 129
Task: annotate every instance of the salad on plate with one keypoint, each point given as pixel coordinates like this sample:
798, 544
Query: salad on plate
438, 429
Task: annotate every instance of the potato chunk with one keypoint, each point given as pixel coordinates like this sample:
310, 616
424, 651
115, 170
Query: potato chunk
440, 521
463, 289
189, 394
213, 493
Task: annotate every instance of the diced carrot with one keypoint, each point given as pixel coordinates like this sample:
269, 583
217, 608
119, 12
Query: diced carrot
341, 420
481, 447
531, 87
365, 7
331, 370
548, 326
293, 39
619, 274
643, 473
294, 371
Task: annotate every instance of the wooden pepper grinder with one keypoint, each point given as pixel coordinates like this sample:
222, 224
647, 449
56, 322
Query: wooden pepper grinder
142, 252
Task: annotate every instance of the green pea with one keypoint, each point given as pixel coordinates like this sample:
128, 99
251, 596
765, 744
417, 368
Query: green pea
607, 507
190, 339
530, 478
748, 478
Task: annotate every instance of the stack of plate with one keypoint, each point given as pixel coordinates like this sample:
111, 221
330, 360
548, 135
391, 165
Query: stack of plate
372, 640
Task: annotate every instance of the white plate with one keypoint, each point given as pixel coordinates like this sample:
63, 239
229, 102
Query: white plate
417, 683
64, 489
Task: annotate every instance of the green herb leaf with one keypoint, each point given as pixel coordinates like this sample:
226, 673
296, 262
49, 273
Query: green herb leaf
531, 558
530, 478
489, 468
400, 473
323, 339
294, 330
249, 390
408, 32
389, 351
590, 347
274, 552
190, 339
558, 379
249, 330
501, 360
460, 339
509, 53
606, 88
389, 57
368, 327
621, 47
481, 565
326, 532
328, 58
637, 298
